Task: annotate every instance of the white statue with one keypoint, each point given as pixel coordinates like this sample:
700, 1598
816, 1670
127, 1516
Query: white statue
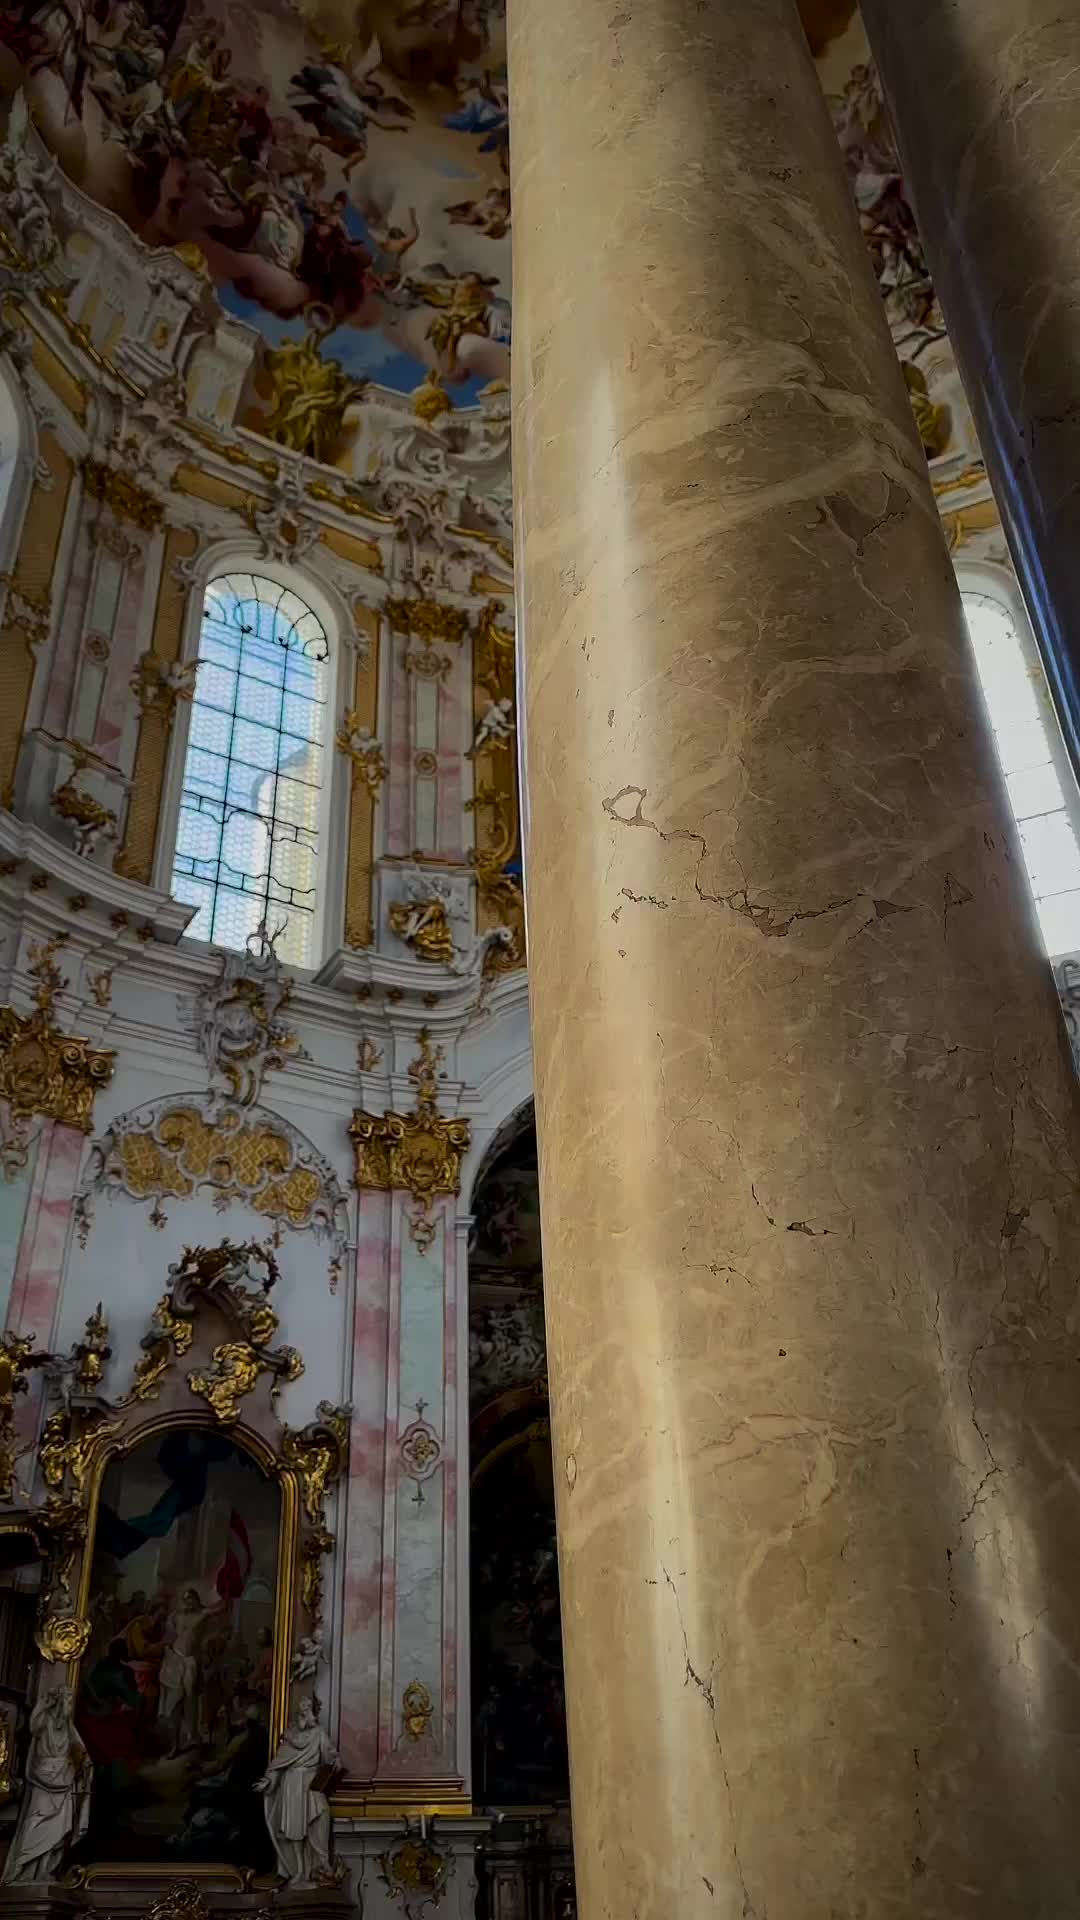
294, 1799
497, 725
306, 1659
56, 1798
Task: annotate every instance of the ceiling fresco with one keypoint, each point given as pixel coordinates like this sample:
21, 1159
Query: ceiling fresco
339, 170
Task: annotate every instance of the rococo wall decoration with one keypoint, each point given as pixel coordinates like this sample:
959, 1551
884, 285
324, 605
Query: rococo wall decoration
172, 1149
178, 1525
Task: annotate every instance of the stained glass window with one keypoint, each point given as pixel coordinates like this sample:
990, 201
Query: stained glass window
247, 844
1042, 791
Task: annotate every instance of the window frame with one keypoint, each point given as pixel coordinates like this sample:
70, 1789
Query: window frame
19, 453
325, 604
998, 583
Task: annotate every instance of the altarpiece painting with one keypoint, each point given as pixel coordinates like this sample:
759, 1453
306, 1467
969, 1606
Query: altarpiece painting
174, 1700
180, 1545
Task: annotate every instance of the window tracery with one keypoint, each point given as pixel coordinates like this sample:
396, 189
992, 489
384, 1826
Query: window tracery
250, 830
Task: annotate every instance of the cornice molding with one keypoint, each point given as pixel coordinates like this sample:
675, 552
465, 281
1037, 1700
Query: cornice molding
33, 864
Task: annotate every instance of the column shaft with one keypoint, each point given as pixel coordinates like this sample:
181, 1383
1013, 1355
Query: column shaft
807, 1124
985, 97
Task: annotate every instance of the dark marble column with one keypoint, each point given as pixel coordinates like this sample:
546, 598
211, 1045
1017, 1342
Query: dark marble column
985, 100
807, 1125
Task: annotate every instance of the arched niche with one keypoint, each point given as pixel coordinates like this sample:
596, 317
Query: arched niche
518, 1703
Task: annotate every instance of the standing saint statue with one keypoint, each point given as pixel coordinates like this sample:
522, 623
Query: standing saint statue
56, 1798
294, 1799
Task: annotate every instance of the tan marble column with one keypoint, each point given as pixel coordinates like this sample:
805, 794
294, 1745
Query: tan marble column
807, 1126
985, 98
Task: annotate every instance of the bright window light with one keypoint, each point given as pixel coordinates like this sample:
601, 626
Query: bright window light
248, 840
1032, 760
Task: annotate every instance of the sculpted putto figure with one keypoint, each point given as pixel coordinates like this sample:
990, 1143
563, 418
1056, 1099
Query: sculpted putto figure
56, 1800
306, 1659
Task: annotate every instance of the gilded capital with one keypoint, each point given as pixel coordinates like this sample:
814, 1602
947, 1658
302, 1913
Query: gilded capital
418, 1152
43, 1070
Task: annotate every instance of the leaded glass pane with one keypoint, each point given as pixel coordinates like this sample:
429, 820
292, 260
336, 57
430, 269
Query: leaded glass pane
302, 716
210, 729
259, 701
247, 845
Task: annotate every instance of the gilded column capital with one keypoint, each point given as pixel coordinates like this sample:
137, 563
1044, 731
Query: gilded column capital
42, 1069
419, 1152
430, 620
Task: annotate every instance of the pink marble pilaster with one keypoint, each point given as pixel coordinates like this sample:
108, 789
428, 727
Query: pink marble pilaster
452, 1611
37, 1285
368, 1568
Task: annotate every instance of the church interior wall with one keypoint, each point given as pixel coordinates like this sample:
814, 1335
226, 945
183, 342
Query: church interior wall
235, 1097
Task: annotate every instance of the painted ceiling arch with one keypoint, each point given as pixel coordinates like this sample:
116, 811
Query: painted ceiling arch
337, 168
339, 172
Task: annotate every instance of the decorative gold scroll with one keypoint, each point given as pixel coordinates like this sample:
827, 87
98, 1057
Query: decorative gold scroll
116, 489
417, 1708
249, 1158
86, 1432
43, 1070
960, 523
432, 621
419, 1152
494, 805
17, 1357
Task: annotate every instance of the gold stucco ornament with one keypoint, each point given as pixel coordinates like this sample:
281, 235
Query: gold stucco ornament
418, 1152
42, 1070
62, 1636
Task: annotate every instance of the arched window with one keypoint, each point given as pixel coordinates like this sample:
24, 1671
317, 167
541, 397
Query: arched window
251, 804
10, 447
1040, 781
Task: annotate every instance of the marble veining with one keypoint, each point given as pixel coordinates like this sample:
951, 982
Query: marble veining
808, 1135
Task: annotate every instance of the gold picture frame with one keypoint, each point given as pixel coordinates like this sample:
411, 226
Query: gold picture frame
208, 1362
287, 1576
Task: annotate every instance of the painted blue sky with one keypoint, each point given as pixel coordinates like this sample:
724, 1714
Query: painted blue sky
365, 354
